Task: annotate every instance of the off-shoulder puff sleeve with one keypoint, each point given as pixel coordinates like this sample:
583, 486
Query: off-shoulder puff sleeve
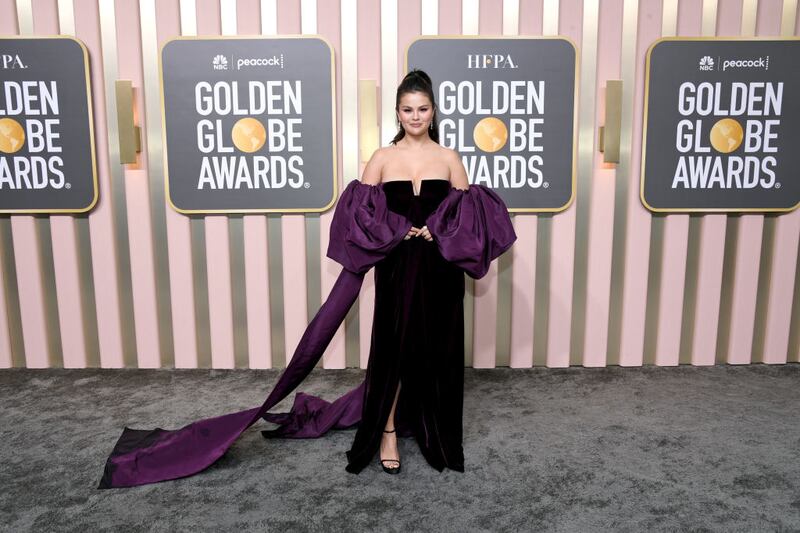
363, 229
471, 228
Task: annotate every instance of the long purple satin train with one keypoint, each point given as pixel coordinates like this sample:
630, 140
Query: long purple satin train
148, 456
471, 228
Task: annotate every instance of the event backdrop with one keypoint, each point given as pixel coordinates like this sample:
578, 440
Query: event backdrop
134, 283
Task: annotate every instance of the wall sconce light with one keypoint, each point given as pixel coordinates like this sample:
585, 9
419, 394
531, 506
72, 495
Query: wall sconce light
130, 136
609, 134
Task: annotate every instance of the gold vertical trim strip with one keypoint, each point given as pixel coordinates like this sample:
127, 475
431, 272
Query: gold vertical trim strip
236, 244
44, 240
749, 14
155, 172
275, 265
669, 18
108, 36
24, 17
12, 293
628, 65
787, 30
49, 291
586, 132
66, 21
788, 17
348, 19
709, 24
550, 17
269, 26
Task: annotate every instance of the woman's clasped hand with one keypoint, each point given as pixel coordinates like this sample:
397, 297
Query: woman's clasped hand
419, 232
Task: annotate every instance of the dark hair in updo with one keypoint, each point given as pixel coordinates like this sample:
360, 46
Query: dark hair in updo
417, 81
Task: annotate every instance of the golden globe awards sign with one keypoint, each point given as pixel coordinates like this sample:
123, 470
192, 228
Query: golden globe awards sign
721, 125
507, 105
249, 124
47, 157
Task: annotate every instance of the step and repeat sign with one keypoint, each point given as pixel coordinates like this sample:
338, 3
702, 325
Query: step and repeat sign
508, 107
47, 150
249, 124
722, 125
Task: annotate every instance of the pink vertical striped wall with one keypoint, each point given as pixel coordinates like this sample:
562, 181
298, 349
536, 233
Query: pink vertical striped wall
604, 282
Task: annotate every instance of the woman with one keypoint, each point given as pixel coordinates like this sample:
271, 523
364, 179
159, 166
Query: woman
415, 218
418, 332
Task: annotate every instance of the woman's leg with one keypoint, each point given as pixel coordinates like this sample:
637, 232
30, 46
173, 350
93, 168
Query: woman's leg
389, 440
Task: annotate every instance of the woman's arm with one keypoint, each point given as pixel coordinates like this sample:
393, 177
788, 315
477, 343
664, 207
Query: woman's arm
372, 172
458, 174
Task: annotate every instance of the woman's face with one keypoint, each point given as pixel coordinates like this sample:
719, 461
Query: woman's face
415, 112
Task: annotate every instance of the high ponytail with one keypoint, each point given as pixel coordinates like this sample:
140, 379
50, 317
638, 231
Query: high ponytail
417, 81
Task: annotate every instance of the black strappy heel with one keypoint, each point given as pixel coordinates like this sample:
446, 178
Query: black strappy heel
391, 469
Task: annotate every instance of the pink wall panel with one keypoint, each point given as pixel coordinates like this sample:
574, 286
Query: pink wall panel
562, 251
181, 274
293, 228
601, 200
137, 194
638, 221
523, 275
101, 219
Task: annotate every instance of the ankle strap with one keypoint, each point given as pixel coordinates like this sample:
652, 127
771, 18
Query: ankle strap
392, 431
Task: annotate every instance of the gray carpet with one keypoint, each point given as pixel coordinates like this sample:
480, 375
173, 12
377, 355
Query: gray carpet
577, 449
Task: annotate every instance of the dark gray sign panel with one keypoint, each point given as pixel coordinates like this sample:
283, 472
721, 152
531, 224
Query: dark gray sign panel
47, 154
508, 106
249, 124
721, 125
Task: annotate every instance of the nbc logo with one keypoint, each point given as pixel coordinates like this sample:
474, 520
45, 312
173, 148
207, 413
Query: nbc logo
706, 63
220, 63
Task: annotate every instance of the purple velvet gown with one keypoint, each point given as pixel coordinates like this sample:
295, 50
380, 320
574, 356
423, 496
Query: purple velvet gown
417, 336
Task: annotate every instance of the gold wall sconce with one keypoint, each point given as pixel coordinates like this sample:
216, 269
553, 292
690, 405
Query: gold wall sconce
610, 133
130, 136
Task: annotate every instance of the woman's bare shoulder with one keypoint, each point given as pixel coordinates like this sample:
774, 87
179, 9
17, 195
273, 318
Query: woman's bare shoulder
374, 168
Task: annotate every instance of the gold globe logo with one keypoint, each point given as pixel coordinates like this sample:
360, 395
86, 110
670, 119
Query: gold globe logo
12, 136
726, 135
490, 134
249, 135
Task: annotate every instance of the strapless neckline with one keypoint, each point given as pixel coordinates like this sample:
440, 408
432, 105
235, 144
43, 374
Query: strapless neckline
412, 183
